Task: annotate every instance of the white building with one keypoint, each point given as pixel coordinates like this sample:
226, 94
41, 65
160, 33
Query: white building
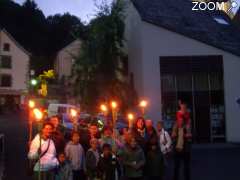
65, 59
14, 69
175, 53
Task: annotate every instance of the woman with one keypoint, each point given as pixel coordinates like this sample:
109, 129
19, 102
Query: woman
139, 132
43, 152
133, 160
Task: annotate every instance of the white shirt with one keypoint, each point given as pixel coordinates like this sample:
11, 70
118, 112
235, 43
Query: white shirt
49, 160
165, 141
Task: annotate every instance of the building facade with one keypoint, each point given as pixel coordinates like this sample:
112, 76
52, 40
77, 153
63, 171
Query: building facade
14, 70
65, 59
174, 57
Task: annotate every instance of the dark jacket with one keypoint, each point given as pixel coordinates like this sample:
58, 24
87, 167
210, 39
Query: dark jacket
91, 164
154, 163
133, 157
108, 168
59, 141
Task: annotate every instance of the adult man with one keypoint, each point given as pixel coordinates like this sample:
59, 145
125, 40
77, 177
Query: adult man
42, 149
57, 134
87, 135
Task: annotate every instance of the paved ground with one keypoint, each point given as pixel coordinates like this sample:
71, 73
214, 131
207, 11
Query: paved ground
209, 162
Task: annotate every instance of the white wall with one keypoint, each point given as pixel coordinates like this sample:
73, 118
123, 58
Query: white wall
64, 61
134, 45
156, 42
20, 64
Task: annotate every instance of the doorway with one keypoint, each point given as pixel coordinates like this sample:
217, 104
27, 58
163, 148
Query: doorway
197, 80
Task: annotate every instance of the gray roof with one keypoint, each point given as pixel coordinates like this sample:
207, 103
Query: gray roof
177, 16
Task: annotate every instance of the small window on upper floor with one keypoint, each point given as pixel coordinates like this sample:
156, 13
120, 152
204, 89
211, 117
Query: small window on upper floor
6, 47
220, 20
6, 62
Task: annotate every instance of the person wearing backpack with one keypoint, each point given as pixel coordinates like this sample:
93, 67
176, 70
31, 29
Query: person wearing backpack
43, 153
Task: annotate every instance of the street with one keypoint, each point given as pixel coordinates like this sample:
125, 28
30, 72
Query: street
209, 161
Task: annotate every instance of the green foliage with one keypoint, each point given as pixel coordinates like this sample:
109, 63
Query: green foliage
95, 69
41, 36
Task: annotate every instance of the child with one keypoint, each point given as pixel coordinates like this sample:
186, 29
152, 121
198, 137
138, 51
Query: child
133, 160
108, 166
75, 153
64, 170
108, 138
92, 158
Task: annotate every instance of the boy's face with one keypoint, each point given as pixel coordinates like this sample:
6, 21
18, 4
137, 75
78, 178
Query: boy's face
94, 144
61, 158
107, 152
75, 138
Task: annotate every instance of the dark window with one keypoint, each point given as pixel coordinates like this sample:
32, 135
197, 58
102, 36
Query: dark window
6, 47
6, 62
6, 80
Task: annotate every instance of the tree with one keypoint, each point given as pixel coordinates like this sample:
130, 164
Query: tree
96, 70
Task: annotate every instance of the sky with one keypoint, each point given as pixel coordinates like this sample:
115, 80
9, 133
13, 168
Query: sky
83, 9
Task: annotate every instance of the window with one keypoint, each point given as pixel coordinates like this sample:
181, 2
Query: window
6, 80
220, 20
6, 62
6, 47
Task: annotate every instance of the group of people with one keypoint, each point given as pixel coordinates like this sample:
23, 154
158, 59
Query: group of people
133, 153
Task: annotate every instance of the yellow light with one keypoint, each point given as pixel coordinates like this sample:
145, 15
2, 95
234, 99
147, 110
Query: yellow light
143, 103
130, 116
31, 104
114, 105
38, 114
73, 112
103, 108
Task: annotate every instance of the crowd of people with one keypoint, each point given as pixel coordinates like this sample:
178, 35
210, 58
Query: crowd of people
134, 153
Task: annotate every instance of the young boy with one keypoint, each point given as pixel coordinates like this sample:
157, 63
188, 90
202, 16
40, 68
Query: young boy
64, 170
108, 166
92, 158
75, 153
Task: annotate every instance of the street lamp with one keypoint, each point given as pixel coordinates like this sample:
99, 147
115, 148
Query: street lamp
143, 104
33, 82
114, 112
